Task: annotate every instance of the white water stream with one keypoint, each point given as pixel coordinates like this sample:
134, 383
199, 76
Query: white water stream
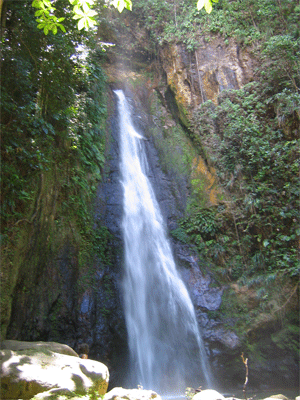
166, 349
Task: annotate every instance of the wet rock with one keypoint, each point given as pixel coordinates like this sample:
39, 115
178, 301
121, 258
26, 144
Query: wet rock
131, 394
225, 337
26, 373
278, 396
202, 291
208, 394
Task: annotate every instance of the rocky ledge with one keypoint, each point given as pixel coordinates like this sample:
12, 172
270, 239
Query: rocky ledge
44, 371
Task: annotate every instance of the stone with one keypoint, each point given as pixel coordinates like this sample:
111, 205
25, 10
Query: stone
131, 394
225, 337
233, 398
277, 396
208, 394
17, 345
58, 394
200, 285
26, 373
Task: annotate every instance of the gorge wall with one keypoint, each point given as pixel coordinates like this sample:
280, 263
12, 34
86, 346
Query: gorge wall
71, 294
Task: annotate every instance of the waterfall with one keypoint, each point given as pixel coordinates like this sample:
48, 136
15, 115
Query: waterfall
166, 349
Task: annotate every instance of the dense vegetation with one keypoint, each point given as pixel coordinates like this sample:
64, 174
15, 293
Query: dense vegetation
251, 136
53, 110
258, 164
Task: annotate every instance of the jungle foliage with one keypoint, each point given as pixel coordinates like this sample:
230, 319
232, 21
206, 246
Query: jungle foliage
251, 137
53, 126
248, 22
53, 118
258, 164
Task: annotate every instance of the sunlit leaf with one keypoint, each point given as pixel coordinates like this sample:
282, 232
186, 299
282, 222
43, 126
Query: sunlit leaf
37, 3
85, 7
200, 4
38, 13
128, 4
207, 4
121, 4
62, 27
81, 23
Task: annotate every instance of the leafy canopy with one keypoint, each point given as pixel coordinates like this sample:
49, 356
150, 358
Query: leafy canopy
82, 12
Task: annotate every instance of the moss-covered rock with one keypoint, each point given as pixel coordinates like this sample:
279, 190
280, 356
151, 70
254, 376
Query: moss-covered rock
25, 373
16, 345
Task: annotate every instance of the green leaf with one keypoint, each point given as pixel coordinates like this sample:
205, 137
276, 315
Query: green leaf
85, 7
77, 10
46, 30
47, 3
91, 14
81, 23
38, 13
62, 27
121, 4
206, 4
128, 5
37, 3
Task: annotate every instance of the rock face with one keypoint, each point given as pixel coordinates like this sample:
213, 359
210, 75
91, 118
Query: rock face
214, 66
76, 310
25, 373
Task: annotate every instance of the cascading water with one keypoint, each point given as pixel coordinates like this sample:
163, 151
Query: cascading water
166, 350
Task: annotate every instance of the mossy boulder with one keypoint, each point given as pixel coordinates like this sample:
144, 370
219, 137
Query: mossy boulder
16, 345
26, 373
